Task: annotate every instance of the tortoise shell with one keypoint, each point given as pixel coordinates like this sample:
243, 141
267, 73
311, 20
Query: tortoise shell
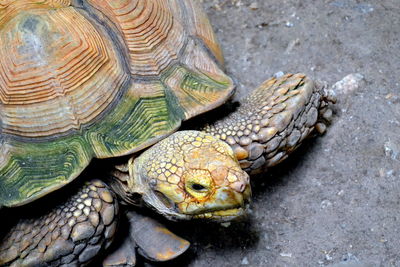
97, 78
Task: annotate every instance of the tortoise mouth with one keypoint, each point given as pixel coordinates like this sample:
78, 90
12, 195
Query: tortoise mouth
226, 214
220, 210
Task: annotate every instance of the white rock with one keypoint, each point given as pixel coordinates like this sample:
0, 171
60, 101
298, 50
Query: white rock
254, 6
279, 74
348, 84
245, 261
392, 149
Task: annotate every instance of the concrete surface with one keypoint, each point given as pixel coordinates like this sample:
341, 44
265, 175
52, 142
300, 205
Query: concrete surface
336, 201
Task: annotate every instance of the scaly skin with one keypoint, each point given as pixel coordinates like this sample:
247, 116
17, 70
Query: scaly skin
71, 234
273, 121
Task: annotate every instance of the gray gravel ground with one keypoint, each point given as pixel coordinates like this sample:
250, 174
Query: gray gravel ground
336, 201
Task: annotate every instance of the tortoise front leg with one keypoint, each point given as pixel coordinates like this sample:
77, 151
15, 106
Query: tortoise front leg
71, 234
152, 240
273, 121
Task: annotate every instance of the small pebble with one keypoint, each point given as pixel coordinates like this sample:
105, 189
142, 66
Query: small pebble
245, 261
289, 24
325, 204
291, 45
328, 257
349, 258
279, 74
348, 84
253, 6
392, 149
365, 8
389, 173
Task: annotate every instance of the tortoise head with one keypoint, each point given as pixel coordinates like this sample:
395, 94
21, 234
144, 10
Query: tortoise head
191, 175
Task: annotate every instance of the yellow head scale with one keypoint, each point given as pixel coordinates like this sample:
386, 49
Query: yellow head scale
191, 175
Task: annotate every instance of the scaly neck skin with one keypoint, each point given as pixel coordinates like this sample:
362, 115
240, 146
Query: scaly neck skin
121, 182
130, 184
139, 183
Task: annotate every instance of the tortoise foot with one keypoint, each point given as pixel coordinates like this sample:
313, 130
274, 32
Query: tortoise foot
274, 120
151, 239
155, 242
71, 234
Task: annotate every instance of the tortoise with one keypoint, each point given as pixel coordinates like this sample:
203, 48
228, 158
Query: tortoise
116, 79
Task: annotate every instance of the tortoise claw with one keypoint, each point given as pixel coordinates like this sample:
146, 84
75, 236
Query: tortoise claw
155, 242
325, 116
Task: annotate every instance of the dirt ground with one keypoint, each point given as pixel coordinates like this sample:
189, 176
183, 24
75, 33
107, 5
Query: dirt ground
336, 201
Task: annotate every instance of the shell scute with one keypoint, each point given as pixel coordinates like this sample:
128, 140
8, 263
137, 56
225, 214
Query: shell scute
102, 79
152, 35
53, 72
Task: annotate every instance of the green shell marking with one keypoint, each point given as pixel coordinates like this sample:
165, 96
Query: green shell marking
74, 87
36, 168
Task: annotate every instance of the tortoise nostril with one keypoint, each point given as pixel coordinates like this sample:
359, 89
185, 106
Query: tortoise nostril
239, 186
242, 187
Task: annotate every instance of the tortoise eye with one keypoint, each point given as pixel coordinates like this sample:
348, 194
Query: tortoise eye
198, 187
198, 183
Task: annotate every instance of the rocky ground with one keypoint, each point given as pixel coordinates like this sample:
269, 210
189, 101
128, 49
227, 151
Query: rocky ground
336, 201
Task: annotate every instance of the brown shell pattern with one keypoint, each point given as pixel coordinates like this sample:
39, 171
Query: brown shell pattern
97, 78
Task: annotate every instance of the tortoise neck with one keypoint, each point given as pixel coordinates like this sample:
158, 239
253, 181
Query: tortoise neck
120, 181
